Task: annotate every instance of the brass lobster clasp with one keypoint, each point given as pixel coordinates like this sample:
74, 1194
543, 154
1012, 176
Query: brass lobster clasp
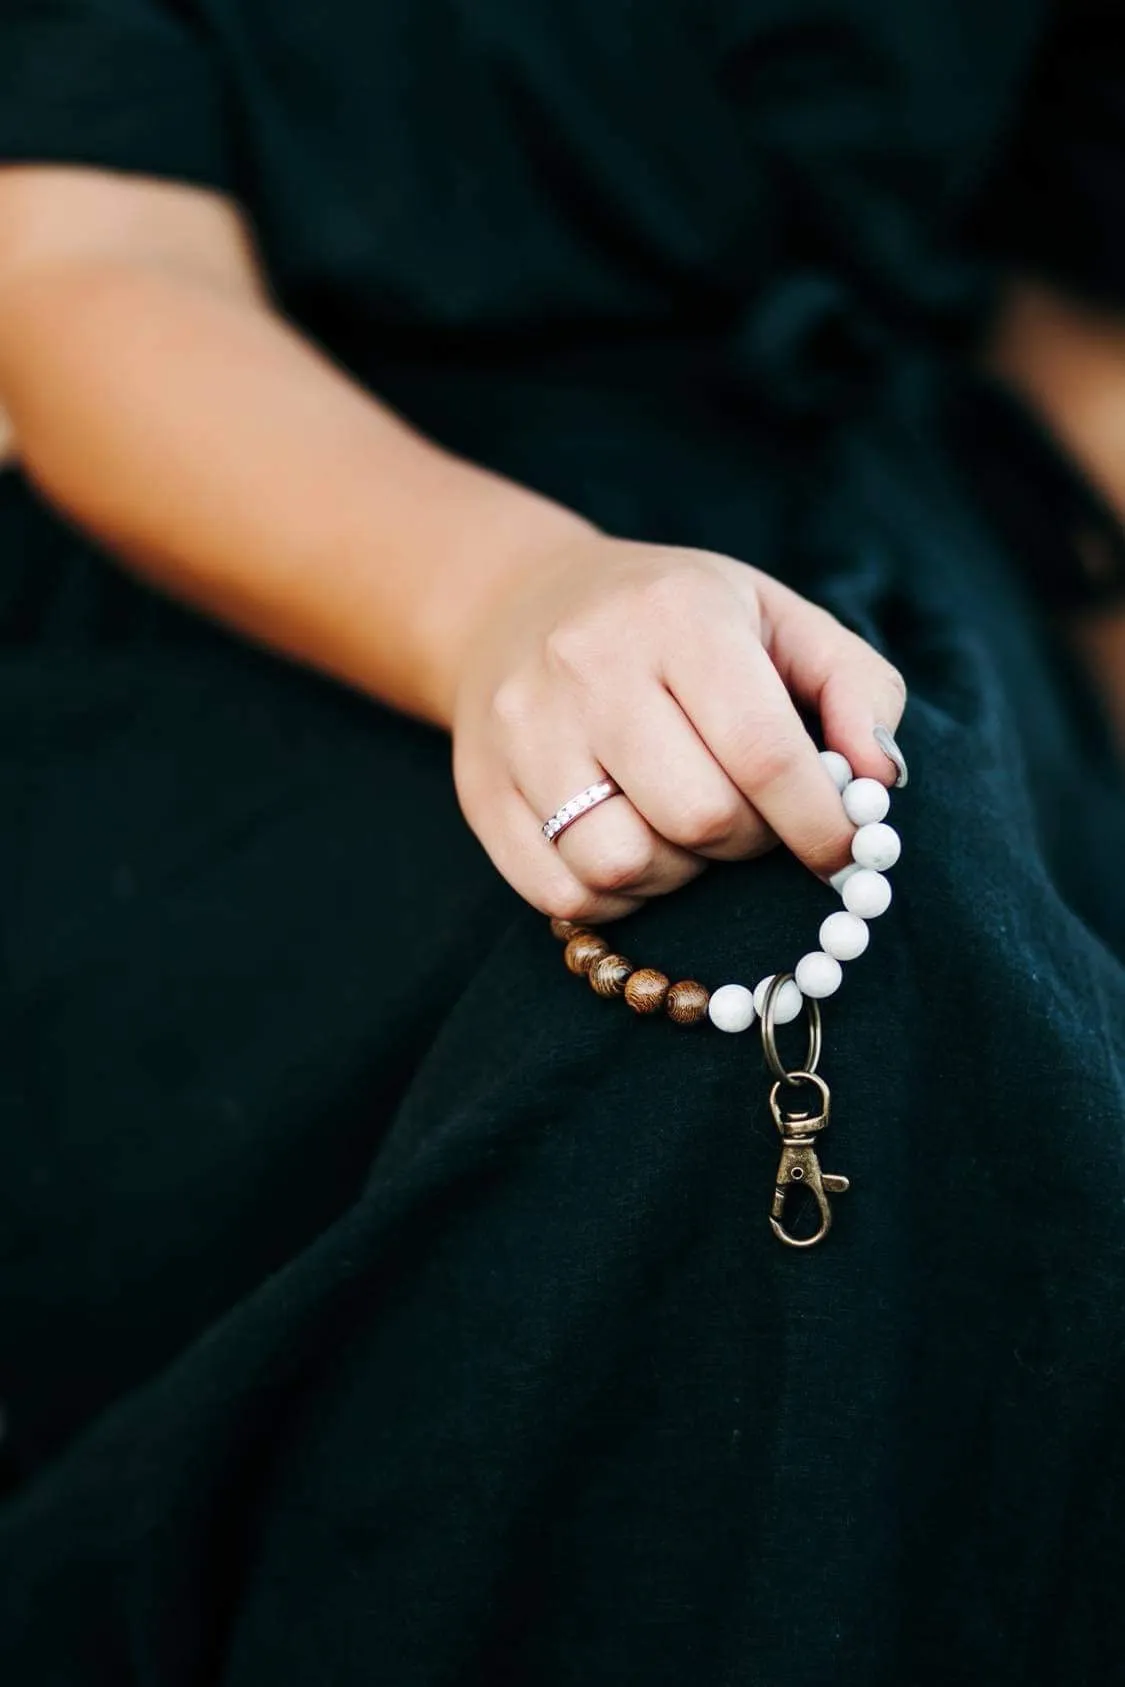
799, 1163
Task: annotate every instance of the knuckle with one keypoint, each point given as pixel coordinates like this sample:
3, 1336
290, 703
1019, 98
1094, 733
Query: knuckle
828, 625
571, 649
624, 865
670, 593
768, 758
568, 901
709, 823
511, 703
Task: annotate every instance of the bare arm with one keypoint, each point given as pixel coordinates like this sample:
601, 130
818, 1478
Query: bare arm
156, 396
1068, 360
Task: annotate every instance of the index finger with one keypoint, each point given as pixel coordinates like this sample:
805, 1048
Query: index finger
729, 688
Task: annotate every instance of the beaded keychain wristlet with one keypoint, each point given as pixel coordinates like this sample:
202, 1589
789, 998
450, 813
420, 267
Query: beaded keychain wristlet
779, 997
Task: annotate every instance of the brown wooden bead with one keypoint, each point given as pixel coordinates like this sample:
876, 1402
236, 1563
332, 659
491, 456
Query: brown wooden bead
583, 949
609, 975
687, 1002
646, 990
564, 930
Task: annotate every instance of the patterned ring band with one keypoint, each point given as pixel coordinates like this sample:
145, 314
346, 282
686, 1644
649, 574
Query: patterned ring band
554, 827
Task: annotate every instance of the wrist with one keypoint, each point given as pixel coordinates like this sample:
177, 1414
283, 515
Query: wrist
508, 537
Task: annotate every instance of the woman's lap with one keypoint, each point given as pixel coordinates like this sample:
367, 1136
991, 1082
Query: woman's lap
218, 979
440, 1328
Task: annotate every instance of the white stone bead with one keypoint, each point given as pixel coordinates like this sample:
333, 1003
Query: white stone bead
840, 879
876, 846
818, 974
787, 1003
844, 935
732, 1007
837, 767
867, 894
865, 801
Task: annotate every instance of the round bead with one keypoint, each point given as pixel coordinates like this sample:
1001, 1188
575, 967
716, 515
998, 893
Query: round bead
876, 846
844, 935
840, 879
731, 1008
564, 930
866, 801
867, 894
686, 1002
817, 974
787, 1003
609, 975
646, 990
583, 949
837, 767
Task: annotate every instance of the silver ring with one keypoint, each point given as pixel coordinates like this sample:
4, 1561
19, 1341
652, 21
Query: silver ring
769, 1039
557, 823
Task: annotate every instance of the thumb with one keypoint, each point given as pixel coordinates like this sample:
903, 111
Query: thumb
833, 671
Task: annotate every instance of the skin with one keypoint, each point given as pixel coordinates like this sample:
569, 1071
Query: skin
1068, 361
157, 397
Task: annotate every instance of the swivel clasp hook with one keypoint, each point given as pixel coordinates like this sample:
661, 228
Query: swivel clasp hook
799, 1163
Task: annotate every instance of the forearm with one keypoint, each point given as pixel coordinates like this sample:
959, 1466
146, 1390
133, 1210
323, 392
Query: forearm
201, 440
1068, 361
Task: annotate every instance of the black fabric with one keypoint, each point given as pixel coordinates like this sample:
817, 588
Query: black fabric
123, 84
378, 1303
1058, 203
1068, 538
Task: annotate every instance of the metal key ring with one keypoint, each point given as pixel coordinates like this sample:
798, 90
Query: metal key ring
769, 1039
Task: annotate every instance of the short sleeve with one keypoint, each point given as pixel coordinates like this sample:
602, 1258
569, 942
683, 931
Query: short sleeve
120, 84
1057, 203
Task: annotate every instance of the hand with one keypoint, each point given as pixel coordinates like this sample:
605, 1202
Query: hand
671, 671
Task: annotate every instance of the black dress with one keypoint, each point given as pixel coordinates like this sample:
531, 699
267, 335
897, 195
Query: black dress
378, 1305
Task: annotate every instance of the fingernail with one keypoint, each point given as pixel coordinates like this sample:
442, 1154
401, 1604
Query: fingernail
885, 740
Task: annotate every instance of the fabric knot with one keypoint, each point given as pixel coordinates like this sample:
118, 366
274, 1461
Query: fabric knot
812, 349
